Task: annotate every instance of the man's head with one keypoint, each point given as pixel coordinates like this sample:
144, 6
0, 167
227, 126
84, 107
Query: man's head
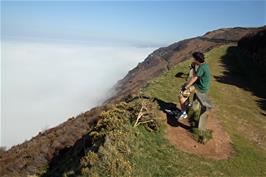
198, 57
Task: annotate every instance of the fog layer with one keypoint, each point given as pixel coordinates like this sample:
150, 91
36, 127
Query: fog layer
44, 84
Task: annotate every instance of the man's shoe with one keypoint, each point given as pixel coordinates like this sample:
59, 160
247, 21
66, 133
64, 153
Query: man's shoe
183, 115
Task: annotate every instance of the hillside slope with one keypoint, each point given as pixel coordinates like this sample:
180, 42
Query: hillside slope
236, 108
165, 58
42, 152
119, 149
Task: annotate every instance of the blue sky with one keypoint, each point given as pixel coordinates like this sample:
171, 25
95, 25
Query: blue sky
129, 22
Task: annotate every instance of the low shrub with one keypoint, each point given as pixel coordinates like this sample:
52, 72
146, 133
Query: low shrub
114, 136
202, 136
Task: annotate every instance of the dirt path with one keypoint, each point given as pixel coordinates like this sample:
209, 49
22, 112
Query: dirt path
217, 148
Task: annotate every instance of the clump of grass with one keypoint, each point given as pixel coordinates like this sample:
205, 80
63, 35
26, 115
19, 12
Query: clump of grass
202, 136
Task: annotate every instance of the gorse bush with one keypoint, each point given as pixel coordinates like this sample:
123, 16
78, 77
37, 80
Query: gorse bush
114, 136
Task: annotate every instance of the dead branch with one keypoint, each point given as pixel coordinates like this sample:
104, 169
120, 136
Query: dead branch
144, 122
141, 114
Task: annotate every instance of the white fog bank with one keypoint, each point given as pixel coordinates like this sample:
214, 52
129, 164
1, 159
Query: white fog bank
44, 84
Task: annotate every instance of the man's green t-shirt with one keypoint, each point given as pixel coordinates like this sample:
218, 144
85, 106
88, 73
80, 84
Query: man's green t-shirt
204, 78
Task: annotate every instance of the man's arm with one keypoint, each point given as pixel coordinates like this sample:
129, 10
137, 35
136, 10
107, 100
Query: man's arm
191, 81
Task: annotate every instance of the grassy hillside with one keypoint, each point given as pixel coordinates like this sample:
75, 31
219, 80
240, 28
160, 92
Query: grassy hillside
234, 88
117, 148
236, 107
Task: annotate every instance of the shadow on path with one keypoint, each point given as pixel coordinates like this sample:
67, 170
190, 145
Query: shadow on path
171, 110
241, 72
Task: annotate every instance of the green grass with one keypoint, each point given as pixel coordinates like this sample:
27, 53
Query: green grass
235, 107
139, 152
166, 87
154, 156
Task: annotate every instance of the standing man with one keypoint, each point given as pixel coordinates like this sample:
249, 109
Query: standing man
199, 82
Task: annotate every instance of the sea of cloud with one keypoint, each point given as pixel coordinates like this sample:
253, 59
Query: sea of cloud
45, 83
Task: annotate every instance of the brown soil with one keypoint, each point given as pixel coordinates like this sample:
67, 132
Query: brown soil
219, 147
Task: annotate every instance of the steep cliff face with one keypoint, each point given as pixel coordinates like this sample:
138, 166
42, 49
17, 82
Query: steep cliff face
32, 156
164, 58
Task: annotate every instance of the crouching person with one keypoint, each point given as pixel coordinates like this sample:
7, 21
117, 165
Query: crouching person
198, 82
